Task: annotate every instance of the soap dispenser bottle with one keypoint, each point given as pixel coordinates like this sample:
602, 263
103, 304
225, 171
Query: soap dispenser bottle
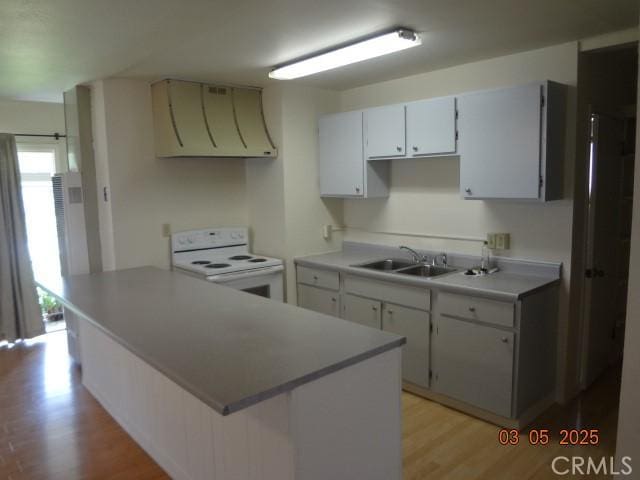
486, 258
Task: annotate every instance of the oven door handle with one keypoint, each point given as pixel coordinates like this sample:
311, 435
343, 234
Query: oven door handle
230, 277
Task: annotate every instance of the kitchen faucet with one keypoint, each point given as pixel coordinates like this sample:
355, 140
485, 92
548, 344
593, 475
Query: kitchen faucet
443, 257
417, 258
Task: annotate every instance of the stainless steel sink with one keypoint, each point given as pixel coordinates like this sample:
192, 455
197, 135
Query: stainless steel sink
423, 270
387, 265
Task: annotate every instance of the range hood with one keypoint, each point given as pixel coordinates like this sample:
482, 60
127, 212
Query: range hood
200, 120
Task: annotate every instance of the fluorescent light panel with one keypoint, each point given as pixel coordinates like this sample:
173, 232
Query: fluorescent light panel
373, 47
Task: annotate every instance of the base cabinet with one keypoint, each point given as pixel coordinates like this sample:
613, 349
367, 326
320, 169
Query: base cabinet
318, 299
492, 358
474, 363
414, 325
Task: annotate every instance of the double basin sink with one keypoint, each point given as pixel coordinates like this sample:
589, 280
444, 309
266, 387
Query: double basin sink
406, 267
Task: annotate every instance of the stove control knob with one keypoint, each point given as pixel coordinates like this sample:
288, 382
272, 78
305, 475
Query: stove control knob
190, 239
241, 236
234, 236
182, 241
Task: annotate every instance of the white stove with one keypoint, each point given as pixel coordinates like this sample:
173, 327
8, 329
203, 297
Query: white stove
221, 255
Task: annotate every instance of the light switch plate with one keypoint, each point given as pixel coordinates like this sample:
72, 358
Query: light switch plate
503, 241
166, 229
491, 240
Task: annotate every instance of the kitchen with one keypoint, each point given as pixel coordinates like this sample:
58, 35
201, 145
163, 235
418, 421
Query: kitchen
146, 198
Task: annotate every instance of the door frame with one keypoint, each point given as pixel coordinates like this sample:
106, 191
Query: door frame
588, 234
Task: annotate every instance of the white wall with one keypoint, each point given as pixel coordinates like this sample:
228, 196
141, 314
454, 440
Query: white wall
145, 191
265, 185
424, 195
35, 117
305, 211
286, 212
628, 443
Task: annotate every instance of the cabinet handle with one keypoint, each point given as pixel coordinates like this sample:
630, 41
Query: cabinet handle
315, 278
390, 312
399, 149
468, 190
505, 340
375, 309
333, 299
472, 309
415, 149
357, 189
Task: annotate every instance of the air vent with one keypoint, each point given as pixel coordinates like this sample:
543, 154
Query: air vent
218, 90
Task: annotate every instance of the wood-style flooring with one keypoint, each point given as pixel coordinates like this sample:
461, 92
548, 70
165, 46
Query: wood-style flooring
52, 428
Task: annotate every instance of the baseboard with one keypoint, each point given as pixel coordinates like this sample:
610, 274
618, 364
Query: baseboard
520, 423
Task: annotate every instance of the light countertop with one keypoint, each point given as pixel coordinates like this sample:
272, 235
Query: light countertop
507, 286
229, 348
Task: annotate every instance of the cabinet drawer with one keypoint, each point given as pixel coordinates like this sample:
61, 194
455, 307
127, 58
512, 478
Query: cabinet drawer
409, 296
318, 278
479, 309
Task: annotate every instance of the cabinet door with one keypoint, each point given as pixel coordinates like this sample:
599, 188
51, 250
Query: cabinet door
362, 310
341, 163
473, 363
385, 132
499, 143
318, 299
414, 325
431, 127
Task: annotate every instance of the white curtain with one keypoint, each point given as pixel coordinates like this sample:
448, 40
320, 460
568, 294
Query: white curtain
20, 315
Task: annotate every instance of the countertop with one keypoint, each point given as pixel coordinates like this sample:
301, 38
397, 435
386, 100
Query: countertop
506, 286
229, 348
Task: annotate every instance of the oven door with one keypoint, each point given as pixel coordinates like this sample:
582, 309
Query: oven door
265, 282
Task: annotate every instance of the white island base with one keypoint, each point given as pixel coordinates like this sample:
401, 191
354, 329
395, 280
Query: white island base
343, 426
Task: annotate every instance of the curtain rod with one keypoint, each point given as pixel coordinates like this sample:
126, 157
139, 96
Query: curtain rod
56, 135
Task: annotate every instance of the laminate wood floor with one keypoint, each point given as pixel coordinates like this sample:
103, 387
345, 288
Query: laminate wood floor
52, 428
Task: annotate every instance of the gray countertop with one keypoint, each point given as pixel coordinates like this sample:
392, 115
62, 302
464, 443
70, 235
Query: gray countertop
228, 348
505, 286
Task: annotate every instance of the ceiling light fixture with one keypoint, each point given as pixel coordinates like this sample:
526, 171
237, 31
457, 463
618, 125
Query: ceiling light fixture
377, 46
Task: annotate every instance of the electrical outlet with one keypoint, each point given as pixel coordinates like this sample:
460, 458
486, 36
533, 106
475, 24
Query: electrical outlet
491, 240
166, 229
503, 241
326, 232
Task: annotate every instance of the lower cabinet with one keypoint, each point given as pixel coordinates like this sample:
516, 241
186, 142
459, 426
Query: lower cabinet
362, 310
318, 299
414, 325
409, 322
474, 363
495, 355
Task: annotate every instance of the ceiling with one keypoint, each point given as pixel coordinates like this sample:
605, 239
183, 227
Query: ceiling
49, 46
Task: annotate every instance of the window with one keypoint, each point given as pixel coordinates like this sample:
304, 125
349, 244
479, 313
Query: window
37, 164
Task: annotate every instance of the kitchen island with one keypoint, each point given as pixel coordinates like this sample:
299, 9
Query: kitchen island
217, 383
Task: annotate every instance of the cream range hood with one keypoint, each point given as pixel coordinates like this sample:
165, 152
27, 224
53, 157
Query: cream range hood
199, 120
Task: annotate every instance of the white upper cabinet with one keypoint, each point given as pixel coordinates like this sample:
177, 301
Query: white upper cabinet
431, 127
511, 142
385, 132
343, 170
